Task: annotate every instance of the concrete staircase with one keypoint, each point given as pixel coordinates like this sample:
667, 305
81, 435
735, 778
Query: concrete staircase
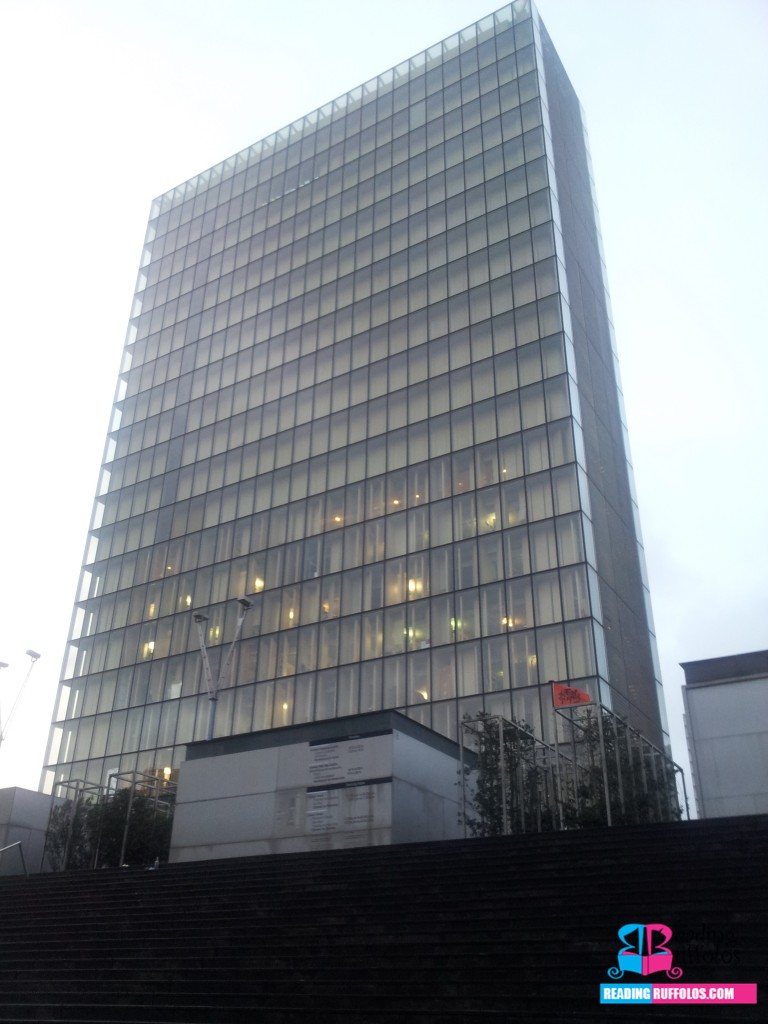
514, 929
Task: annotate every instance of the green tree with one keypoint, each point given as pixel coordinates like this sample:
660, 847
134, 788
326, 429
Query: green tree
149, 830
515, 784
642, 787
67, 842
90, 833
510, 791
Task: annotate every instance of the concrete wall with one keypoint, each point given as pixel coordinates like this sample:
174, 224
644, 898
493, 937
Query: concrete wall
727, 725
23, 818
312, 795
426, 793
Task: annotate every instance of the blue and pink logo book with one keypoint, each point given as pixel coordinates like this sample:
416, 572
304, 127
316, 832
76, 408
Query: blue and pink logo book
645, 951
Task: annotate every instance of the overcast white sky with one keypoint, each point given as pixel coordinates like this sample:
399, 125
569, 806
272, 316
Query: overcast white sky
107, 105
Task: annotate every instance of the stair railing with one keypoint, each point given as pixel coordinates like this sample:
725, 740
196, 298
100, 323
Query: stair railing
12, 846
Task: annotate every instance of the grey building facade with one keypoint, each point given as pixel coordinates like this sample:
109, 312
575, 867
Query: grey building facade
726, 726
370, 384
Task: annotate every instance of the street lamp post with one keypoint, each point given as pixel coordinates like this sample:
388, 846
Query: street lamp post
34, 658
215, 685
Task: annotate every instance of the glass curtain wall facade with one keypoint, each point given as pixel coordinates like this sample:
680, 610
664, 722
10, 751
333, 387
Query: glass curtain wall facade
357, 389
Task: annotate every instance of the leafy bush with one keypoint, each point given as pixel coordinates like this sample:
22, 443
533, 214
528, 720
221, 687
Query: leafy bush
89, 833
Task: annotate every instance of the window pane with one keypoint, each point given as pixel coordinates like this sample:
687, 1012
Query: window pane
551, 651
543, 546
469, 670
495, 664
491, 562
575, 593
523, 660
546, 592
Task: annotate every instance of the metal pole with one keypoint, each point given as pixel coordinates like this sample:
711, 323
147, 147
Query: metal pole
34, 657
213, 700
245, 604
656, 783
71, 825
127, 823
463, 778
632, 781
503, 772
605, 765
520, 786
685, 796
641, 757
45, 841
618, 764
101, 804
542, 790
558, 781
576, 802
212, 685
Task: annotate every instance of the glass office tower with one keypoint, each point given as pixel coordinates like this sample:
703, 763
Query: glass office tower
369, 383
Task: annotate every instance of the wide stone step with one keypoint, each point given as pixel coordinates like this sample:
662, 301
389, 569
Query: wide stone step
507, 930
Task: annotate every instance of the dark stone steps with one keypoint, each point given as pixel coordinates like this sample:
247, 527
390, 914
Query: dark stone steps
521, 928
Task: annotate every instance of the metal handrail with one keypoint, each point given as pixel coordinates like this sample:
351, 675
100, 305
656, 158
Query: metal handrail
21, 851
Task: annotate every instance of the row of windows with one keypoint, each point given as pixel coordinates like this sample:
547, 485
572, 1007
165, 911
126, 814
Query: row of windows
552, 543
453, 432
244, 267
473, 670
210, 528
235, 451
161, 627
264, 706
445, 196
220, 429
537, 276
303, 312
401, 337
483, 123
287, 602
298, 426
223, 521
536, 547
465, 149
243, 491
461, 166
346, 412
443, 569
396, 629
216, 456
351, 273
484, 217
437, 72
430, 177
249, 270
344, 407
325, 694
213, 454
491, 665
521, 326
